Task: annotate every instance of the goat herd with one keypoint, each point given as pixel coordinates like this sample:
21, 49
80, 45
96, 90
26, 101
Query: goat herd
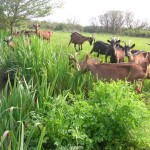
136, 69
44, 34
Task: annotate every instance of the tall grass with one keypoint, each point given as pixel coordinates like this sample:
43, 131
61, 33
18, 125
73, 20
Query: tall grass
36, 74
40, 62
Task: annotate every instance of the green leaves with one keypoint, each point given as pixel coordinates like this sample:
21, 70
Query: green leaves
18, 10
113, 114
52, 106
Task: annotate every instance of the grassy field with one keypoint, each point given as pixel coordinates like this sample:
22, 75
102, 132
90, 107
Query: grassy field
46, 104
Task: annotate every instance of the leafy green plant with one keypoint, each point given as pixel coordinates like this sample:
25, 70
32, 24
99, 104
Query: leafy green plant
44, 103
122, 119
113, 117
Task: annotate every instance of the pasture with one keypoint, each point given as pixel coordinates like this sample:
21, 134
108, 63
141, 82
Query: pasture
46, 104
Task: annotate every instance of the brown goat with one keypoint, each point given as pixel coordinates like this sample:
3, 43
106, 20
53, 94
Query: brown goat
139, 58
136, 51
79, 39
79, 65
118, 53
12, 45
24, 32
44, 34
121, 71
9, 42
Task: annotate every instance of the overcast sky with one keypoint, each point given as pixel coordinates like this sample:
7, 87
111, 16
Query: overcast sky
84, 10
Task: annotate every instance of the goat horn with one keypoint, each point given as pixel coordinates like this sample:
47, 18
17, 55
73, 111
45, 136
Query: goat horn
115, 39
93, 36
124, 43
129, 42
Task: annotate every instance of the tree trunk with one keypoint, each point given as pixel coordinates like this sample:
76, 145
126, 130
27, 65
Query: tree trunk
12, 24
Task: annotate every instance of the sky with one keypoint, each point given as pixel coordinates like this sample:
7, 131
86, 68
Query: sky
84, 10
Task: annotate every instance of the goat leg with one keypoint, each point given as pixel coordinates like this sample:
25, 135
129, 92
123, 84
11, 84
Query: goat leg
98, 53
138, 87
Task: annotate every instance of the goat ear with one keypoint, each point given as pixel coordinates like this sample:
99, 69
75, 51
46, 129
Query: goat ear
121, 46
108, 41
132, 46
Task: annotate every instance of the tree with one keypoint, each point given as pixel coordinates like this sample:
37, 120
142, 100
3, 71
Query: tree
18, 10
104, 21
3, 19
138, 24
94, 24
112, 21
129, 18
73, 21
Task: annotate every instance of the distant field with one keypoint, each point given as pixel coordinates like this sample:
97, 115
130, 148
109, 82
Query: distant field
63, 38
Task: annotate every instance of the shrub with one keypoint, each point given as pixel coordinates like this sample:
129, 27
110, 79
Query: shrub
121, 118
114, 117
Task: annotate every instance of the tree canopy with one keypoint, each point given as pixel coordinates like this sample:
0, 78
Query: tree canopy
17, 10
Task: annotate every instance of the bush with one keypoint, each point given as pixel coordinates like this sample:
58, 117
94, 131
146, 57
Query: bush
122, 119
114, 117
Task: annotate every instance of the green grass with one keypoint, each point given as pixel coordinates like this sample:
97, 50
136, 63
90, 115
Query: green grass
43, 79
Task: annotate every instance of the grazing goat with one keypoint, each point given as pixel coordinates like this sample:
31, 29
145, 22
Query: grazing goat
129, 71
79, 65
24, 32
103, 48
9, 42
29, 33
44, 34
79, 39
